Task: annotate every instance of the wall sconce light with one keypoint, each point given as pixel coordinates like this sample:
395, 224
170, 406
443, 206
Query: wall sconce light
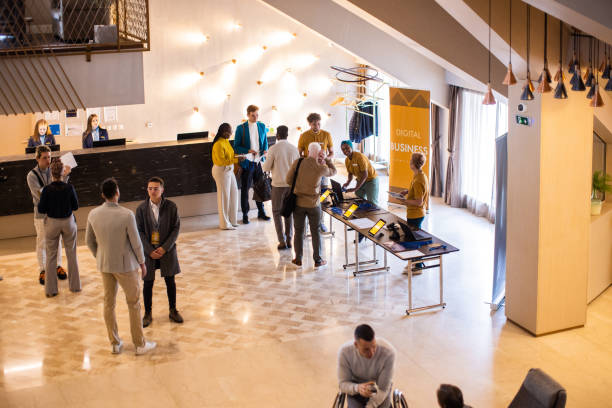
196, 109
259, 82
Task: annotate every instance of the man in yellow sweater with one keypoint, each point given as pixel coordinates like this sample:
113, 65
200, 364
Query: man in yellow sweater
359, 167
323, 138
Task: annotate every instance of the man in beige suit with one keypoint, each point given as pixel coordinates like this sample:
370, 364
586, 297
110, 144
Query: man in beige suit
113, 239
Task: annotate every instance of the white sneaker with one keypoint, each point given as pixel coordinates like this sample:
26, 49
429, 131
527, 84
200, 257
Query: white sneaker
149, 345
117, 348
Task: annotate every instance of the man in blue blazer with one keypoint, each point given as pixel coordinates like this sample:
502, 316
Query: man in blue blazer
251, 140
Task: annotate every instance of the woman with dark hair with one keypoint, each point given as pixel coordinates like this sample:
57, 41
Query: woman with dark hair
94, 132
42, 135
57, 201
223, 158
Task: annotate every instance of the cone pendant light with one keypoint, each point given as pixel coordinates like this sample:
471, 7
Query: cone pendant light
596, 100
545, 72
591, 91
573, 60
609, 85
560, 91
608, 67
588, 75
510, 79
527, 94
576, 81
489, 99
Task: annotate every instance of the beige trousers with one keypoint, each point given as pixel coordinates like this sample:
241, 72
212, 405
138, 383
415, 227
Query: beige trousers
227, 195
130, 283
41, 254
65, 228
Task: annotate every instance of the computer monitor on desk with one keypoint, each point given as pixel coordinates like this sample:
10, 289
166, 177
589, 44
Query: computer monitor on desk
194, 135
109, 142
54, 148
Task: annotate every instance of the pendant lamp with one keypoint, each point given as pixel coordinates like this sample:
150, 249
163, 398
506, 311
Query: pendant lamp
588, 75
560, 91
576, 81
510, 79
573, 61
545, 72
596, 100
489, 99
608, 67
527, 94
602, 66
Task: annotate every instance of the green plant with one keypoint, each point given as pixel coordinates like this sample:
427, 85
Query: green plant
601, 184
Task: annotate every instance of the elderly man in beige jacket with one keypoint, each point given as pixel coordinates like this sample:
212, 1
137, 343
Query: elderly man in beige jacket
113, 239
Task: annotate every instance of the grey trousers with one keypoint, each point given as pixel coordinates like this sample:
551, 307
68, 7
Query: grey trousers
285, 234
357, 401
130, 283
67, 229
314, 219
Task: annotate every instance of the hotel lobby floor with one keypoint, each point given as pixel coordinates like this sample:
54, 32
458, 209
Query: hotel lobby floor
260, 332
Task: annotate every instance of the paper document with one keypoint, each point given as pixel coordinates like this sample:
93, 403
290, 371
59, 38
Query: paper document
411, 254
396, 195
362, 223
69, 160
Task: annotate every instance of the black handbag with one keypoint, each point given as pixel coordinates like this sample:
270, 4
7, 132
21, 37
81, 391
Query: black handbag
262, 189
290, 200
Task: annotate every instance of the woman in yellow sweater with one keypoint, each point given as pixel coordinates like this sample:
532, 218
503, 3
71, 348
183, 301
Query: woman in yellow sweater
417, 196
223, 172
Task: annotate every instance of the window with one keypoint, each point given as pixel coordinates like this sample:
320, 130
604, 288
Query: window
599, 155
480, 126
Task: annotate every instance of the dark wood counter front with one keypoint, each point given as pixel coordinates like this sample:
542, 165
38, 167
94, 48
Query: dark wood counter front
185, 167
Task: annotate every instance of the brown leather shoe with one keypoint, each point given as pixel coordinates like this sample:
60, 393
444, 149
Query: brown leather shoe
61, 273
296, 262
320, 263
175, 316
41, 277
147, 319
282, 245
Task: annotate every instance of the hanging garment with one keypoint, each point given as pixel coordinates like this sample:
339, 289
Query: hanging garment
363, 126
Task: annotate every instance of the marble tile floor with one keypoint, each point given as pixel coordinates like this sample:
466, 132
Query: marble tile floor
259, 332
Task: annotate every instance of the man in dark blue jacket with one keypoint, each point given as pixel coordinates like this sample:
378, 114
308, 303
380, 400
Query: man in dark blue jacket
251, 139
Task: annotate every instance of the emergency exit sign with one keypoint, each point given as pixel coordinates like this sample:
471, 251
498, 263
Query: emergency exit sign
523, 120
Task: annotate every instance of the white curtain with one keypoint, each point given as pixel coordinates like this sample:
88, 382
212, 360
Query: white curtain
480, 125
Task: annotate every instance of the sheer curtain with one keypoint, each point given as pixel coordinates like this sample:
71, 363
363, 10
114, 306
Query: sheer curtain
479, 126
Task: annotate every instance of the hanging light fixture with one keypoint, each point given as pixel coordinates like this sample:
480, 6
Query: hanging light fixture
588, 75
560, 91
489, 99
527, 94
596, 100
510, 79
602, 66
608, 67
576, 81
573, 61
545, 79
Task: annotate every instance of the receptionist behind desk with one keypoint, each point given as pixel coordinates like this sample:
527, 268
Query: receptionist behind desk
42, 135
94, 132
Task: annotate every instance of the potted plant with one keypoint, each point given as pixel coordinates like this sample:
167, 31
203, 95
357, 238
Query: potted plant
601, 185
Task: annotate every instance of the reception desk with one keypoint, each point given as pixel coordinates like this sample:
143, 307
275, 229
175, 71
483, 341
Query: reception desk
185, 167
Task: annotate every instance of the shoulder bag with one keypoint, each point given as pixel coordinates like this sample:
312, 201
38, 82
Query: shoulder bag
289, 202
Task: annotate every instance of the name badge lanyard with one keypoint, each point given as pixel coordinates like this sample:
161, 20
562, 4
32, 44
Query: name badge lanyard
155, 233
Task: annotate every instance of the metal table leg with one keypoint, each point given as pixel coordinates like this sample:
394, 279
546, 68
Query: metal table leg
441, 304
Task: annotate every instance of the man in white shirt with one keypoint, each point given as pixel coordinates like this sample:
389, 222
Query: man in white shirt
251, 140
365, 370
278, 161
113, 239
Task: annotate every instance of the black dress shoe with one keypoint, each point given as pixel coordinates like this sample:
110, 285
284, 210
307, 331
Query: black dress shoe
147, 319
263, 216
289, 245
245, 220
175, 316
282, 245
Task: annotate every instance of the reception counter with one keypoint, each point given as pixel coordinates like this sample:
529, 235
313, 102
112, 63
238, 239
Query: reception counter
185, 167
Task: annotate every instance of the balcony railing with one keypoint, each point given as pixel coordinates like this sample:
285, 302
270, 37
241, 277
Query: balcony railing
34, 27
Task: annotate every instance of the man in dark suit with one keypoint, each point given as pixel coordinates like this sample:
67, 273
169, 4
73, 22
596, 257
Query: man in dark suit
158, 225
251, 140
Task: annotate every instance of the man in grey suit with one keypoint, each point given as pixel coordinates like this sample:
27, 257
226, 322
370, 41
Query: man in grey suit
112, 238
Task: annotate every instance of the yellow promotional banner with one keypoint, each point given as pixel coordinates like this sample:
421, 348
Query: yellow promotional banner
409, 134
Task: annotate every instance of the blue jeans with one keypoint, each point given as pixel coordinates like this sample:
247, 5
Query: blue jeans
415, 222
369, 191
